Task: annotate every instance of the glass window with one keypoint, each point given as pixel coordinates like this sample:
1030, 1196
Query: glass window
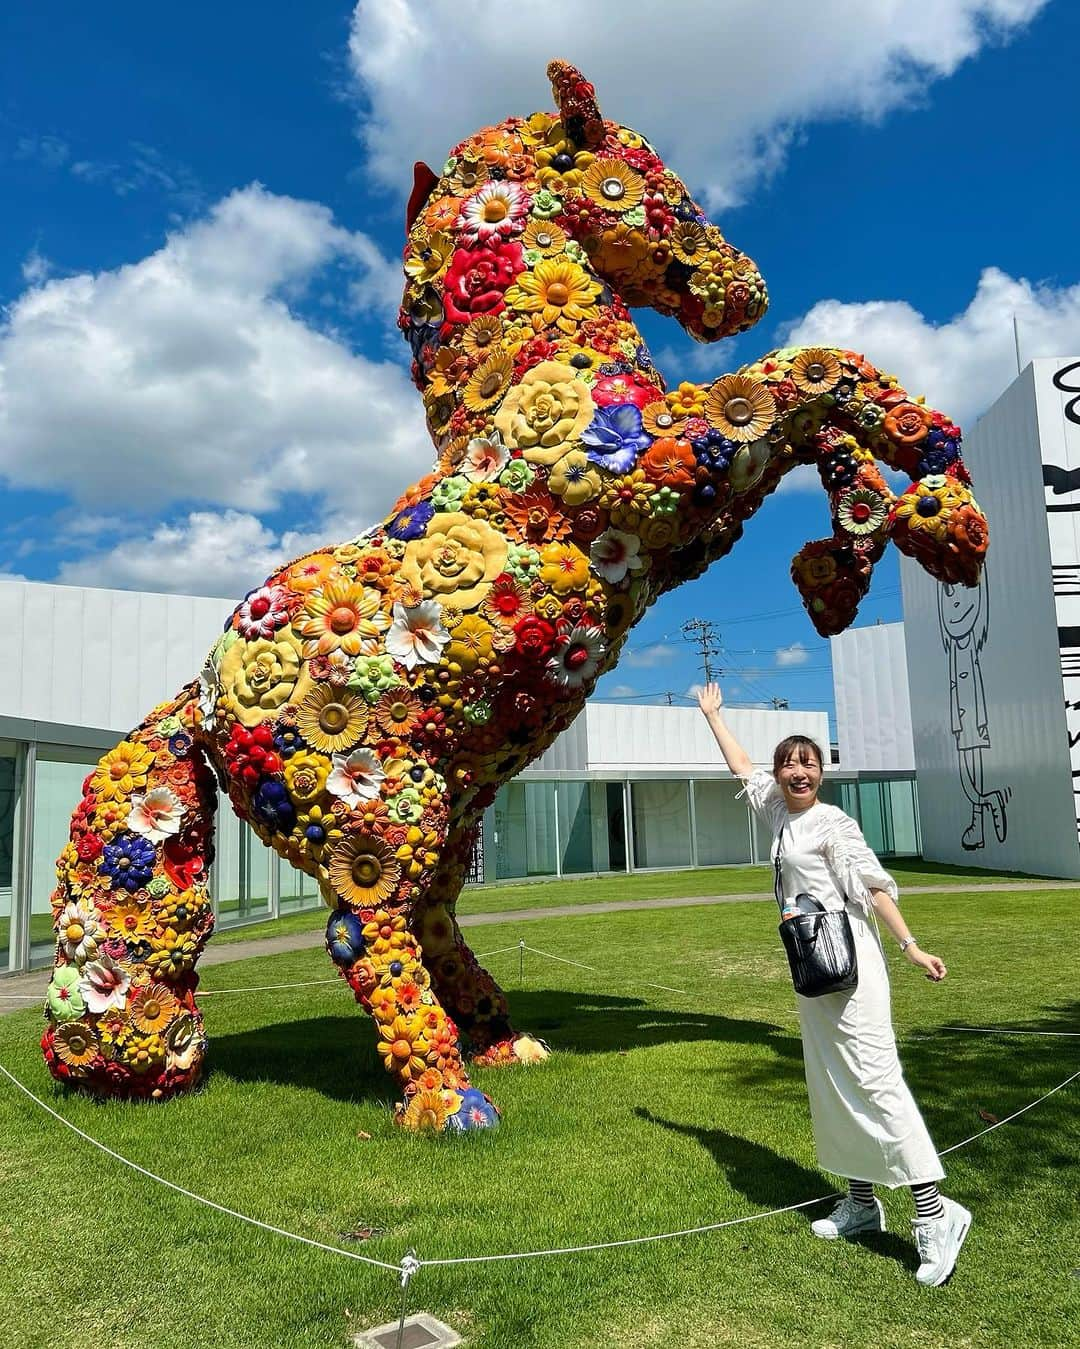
241, 880
10, 817
615, 812
763, 840
661, 817
872, 817
525, 830
723, 832
904, 817
584, 827
58, 779
296, 890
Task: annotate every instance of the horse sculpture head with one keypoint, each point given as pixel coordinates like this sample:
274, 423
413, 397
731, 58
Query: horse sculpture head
631, 224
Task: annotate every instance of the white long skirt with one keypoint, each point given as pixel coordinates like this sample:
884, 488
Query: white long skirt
866, 1123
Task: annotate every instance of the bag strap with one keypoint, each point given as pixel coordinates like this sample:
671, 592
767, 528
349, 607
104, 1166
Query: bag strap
777, 884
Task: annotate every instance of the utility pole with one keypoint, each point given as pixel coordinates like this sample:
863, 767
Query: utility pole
780, 704
702, 632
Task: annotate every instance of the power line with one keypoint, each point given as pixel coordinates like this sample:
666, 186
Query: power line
782, 613
703, 632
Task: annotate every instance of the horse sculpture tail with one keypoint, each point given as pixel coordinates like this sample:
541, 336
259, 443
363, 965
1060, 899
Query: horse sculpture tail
131, 914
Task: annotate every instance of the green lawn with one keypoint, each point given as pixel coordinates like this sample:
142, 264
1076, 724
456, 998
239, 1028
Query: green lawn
658, 1111
508, 898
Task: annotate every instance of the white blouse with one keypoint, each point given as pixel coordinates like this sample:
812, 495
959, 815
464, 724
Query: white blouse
822, 849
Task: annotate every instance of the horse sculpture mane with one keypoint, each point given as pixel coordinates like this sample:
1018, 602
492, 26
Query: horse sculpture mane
364, 705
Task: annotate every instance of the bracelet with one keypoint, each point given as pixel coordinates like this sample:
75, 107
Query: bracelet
908, 941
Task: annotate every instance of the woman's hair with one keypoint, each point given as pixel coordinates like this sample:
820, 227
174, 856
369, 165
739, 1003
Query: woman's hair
800, 745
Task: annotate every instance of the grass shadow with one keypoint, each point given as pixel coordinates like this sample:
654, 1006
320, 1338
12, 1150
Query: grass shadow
588, 1023
770, 1181
965, 1082
335, 1055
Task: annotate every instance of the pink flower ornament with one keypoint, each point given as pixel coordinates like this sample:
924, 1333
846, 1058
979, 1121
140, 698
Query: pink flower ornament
417, 636
355, 778
103, 985
615, 554
263, 612
156, 815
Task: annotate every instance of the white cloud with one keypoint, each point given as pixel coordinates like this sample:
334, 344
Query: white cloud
721, 90
35, 268
795, 654
143, 167
649, 657
50, 151
216, 553
963, 365
620, 691
187, 378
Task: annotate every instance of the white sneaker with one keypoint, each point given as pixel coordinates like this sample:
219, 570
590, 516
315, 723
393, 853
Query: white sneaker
939, 1241
849, 1218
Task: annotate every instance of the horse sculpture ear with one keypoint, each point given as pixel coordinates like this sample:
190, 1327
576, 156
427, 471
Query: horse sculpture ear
424, 179
575, 98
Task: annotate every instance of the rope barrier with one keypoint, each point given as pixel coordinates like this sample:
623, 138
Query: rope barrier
315, 983
409, 1264
1006, 1030
1023, 1109
593, 970
264, 988
190, 1194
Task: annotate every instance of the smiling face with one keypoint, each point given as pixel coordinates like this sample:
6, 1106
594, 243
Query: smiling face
798, 775
959, 607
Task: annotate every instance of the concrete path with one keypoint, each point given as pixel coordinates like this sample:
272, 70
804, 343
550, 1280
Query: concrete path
24, 989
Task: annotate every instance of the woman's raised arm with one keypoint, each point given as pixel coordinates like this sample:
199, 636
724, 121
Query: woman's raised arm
711, 702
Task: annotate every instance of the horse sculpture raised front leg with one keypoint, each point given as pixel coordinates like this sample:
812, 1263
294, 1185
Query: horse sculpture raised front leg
364, 705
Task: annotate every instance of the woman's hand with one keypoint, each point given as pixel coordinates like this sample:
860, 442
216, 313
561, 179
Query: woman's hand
710, 699
933, 965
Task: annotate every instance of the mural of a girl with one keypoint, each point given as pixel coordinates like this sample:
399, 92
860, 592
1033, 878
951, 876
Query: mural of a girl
964, 615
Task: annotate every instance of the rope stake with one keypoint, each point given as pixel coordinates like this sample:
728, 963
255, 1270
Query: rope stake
409, 1266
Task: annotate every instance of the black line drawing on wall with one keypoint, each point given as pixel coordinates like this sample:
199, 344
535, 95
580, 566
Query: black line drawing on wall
964, 616
1069, 651
1066, 578
1062, 482
1072, 406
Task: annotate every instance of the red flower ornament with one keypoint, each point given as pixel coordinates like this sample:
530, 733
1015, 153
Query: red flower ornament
477, 278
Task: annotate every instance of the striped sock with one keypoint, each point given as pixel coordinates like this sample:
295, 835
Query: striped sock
928, 1203
861, 1191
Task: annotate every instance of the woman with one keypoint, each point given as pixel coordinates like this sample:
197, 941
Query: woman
867, 1126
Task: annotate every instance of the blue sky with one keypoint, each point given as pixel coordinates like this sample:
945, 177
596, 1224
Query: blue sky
199, 372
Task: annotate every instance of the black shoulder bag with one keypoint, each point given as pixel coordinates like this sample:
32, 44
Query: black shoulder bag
819, 943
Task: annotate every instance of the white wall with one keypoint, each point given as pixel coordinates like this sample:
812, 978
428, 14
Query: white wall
1024, 754
104, 658
99, 658
624, 737
1057, 393
873, 703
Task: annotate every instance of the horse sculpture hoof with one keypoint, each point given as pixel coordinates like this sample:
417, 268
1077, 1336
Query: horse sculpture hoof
518, 1049
448, 1111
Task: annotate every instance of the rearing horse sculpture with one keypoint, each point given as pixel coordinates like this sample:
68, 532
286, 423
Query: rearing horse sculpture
365, 704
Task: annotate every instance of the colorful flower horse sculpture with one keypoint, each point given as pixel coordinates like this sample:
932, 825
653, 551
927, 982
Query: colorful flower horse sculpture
364, 705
